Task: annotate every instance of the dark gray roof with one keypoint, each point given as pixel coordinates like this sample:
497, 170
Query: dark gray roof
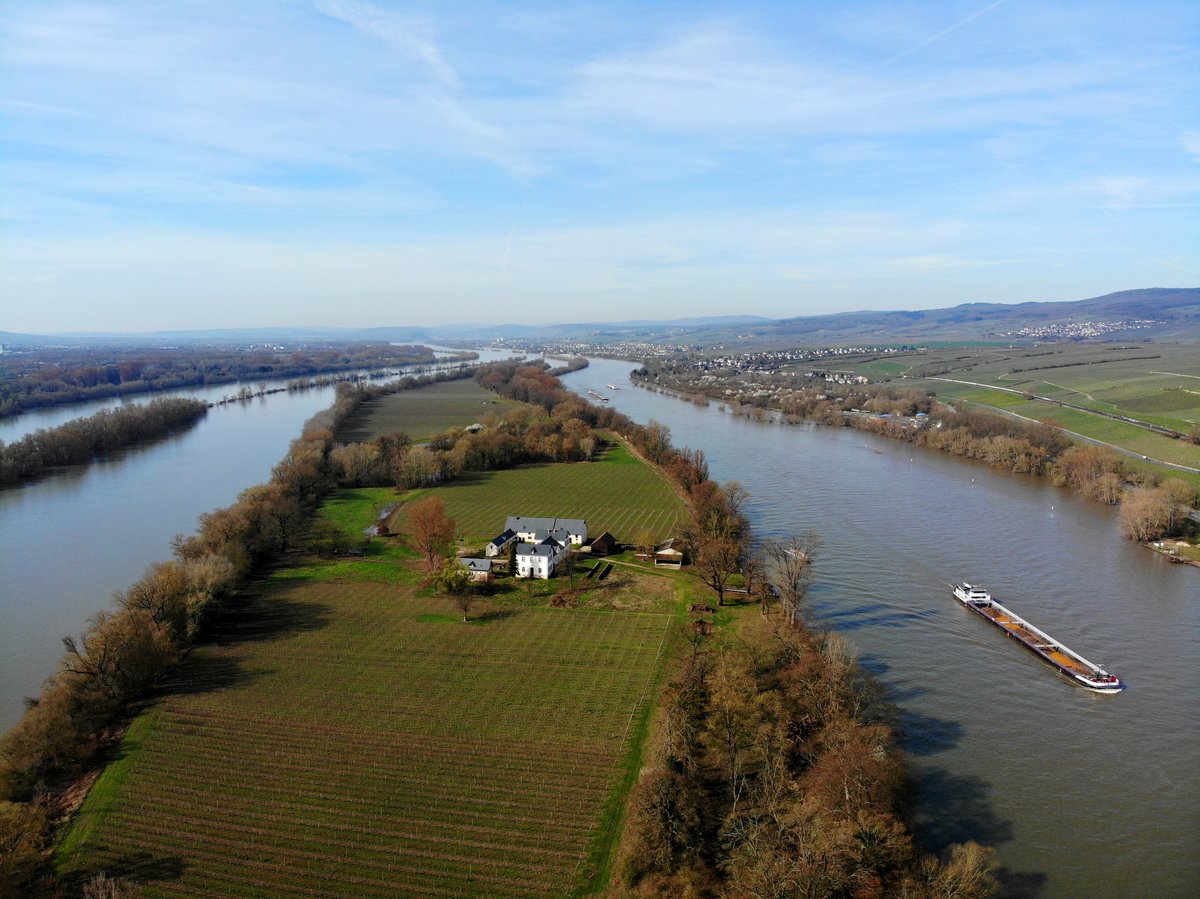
526, 524
537, 549
504, 538
476, 564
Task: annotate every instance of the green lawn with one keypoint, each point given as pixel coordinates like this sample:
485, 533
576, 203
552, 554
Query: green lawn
618, 494
423, 412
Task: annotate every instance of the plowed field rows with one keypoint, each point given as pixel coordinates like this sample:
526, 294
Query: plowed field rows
335, 745
617, 494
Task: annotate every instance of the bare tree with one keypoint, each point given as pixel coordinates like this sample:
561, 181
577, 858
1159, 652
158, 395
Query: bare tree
1146, 513
570, 567
716, 560
754, 566
791, 561
432, 531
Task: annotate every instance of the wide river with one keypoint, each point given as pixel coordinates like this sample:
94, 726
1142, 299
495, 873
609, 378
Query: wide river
1082, 795
70, 540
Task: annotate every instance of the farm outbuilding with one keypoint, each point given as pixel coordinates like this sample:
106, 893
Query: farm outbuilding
481, 569
604, 545
667, 556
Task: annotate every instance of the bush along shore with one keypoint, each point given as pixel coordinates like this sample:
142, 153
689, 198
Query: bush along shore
772, 770
54, 376
1152, 508
85, 439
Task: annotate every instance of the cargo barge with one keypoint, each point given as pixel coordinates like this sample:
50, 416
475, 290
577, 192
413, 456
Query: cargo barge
1070, 664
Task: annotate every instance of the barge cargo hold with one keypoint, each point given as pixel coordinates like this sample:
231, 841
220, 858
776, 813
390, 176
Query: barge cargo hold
1070, 664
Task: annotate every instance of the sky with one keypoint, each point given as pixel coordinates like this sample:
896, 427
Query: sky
185, 164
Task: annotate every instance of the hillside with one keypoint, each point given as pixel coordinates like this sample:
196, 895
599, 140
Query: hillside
1153, 313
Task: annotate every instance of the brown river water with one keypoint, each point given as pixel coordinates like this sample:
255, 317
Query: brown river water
1081, 794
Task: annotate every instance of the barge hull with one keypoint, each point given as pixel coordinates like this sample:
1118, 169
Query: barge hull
1065, 661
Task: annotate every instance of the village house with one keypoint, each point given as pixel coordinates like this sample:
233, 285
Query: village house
667, 556
534, 530
480, 569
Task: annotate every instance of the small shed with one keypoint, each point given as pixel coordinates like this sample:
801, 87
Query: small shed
604, 545
667, 556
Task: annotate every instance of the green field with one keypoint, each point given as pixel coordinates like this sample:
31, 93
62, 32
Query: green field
617, 494
1156, 384
341, 739
424, 412
344, 732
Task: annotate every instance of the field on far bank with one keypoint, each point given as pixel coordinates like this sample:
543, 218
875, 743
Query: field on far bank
1158, 384
342, 736
1155, 383
618, 493
424, 412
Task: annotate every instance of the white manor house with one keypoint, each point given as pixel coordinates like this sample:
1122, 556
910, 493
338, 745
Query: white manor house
542, 543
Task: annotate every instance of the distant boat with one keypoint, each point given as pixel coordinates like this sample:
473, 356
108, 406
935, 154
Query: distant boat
612, 386
600, 396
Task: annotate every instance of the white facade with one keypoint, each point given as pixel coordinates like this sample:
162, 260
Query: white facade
540, 559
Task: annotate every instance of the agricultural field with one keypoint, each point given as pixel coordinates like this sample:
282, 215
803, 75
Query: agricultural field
348, 738
345, 732
618, 494
424, 412
1158, 384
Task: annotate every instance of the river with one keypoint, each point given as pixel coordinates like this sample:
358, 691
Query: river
1081, 794
70, 540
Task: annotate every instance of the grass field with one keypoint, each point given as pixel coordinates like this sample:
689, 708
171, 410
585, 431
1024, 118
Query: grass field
617, 494
1153, 383
344, 732
422, 413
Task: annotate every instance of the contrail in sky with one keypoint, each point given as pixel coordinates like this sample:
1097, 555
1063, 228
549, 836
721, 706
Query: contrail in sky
941, 34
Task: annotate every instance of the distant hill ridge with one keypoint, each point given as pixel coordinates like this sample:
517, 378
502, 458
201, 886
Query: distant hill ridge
1174, 312
1171, 308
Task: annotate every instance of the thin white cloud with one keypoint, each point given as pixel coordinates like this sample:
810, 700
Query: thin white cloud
1191, 143
410, 36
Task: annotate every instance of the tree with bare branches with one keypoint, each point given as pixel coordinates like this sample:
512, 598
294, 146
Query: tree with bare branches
791, 561
716, 561
432, 531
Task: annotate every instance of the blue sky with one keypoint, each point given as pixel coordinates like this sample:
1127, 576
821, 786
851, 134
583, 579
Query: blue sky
200, 164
